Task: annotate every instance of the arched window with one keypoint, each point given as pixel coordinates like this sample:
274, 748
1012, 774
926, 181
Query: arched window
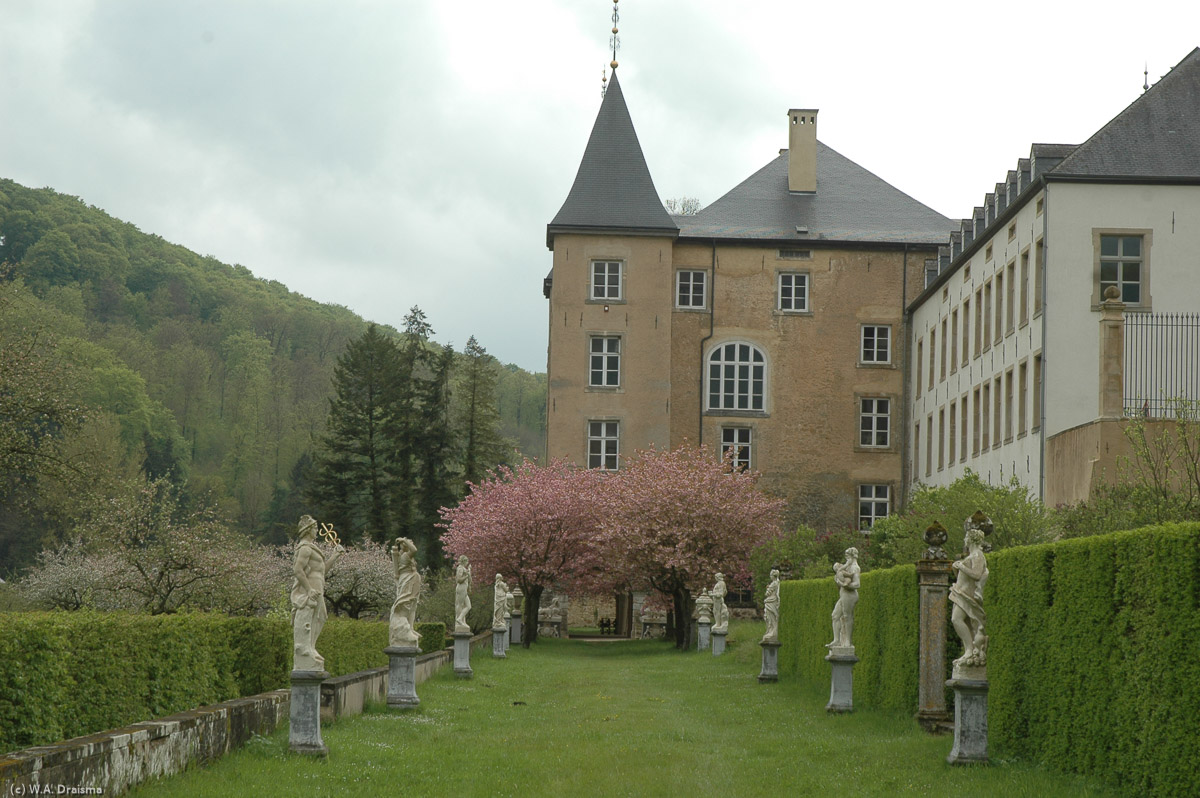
736, 375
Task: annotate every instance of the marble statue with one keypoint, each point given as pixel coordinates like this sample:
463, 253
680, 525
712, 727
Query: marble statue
308, 594
462, 595
846, 576
401, 626
720, 611
771, 608
500, 598
966, 594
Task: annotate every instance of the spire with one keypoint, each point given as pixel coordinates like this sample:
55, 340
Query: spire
613, 190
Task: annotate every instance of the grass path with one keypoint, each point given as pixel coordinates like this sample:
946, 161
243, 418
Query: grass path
628, 718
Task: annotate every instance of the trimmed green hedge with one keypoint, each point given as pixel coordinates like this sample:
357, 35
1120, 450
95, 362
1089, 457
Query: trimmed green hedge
433, 636
65, 674
1094, 652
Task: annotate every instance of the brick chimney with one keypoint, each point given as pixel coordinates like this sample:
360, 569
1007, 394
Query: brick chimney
802, 150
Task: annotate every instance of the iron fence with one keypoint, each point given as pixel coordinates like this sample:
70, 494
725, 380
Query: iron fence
1162, 362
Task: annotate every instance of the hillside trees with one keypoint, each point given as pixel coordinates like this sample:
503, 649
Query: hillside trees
478, 415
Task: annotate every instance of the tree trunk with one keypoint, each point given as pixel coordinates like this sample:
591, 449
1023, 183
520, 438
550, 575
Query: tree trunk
529, 616
682, 599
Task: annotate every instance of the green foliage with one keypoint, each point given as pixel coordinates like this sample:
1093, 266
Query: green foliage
1093, 658
350, 646
808, 554
433, 636
1019, 518
67, 674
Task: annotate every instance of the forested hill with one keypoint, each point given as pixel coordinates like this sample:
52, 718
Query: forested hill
162, 362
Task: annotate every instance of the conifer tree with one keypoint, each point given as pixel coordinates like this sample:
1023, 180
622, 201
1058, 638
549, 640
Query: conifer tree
436, 458
478, 416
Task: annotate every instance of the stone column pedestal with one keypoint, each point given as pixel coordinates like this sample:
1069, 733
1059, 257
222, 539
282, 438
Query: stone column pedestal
718, 643
499, 635
304, 734
933, 581
462, 655
970, 719
402, 676
514, 630
841, 661
702, 636
770, 662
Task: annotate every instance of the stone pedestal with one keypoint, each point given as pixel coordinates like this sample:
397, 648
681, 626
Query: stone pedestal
970, 716
514, 630
770, 662
462, 655
499, 635
402, 676
841, 661
304, 735
702, 636
718, 643
933, 580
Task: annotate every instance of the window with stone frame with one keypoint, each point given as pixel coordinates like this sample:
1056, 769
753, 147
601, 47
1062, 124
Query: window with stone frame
876, 342
1122, 267
874, 422
792, 295
607, 284
604, 448
604, 361
740, 441
689, 289
736, 377
874, 502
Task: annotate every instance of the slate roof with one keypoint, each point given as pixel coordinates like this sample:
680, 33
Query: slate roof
613, 190
1157, 136
850, 204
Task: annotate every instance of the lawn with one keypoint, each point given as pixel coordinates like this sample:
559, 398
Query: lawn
617, 718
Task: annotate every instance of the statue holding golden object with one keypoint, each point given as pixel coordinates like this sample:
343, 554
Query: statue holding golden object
330, 534
308, 592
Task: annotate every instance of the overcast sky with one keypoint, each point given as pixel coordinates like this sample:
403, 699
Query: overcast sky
390, 153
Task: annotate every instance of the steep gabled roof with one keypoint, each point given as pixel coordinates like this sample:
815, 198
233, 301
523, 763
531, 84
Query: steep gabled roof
613, 190
850, 204
1157, 136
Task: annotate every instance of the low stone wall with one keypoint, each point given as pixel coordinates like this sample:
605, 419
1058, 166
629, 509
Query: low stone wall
113, 761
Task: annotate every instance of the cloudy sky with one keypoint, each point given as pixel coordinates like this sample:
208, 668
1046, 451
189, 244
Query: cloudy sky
385, 153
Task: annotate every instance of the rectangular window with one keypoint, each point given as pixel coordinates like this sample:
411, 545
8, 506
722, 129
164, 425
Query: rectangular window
932, 352
876, 343
985, 418
604, 361
916, 469
1037, 393
942, 356
962, 449
1121, 267
987, 315
793, 292
966, 332
1039, 255
1008, 405
873, 504
1024, 288
998, 399
954, 341
737, 439
941, 439
976, 438
952, 438
1009, 304
689, 289
979, 314
999, 305
606, 281
920, 364
874, 422
603, 446
1022, 400
929, 446
931, 271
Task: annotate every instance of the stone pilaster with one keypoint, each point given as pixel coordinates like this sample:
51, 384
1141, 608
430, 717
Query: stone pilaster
718, 643
933, 580
402, 676
462, 655
770, 662
841, 679
304, 735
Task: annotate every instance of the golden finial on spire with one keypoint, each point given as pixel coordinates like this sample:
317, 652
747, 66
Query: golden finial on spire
615, 41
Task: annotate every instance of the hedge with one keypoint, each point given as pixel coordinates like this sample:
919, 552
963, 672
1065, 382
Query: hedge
1093, 660
65, 674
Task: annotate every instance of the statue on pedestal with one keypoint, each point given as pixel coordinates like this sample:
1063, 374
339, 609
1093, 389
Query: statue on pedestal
846, 576
462, 595
308, 593
771, 608
966, 594
720, 611
500, 603
401, 626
